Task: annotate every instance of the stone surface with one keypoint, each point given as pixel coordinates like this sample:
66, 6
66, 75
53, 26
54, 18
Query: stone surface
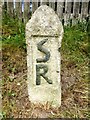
44, 33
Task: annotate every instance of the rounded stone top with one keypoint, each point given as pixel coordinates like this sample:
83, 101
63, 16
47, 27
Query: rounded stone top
44, 22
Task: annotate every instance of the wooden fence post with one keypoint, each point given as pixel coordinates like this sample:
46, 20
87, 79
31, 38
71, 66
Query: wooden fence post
84, 10
89, 8
67, 16
34, 5
44, 2
76, 10
60, 6
1, 6
10, 7
52, 4
26, 10
4, 7
18, 9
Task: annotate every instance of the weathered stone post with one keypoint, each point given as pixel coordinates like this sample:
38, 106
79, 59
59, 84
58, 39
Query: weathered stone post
43, 36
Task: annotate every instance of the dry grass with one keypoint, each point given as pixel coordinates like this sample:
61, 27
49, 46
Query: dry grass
15, 97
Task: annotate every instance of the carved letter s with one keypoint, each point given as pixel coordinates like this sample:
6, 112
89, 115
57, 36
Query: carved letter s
41, 49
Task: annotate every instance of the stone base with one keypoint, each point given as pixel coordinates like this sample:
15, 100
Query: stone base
50, 95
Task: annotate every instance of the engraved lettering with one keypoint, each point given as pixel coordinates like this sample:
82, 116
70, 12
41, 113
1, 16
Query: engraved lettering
42, 49
40, 74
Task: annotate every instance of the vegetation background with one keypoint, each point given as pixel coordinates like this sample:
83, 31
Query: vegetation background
74, 73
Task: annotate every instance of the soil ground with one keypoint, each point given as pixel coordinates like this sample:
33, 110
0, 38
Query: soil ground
14, 89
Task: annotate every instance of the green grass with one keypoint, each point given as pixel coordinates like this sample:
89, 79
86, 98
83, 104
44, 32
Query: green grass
74, 43
13, 32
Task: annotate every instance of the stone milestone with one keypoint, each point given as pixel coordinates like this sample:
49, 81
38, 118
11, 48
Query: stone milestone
44, 33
